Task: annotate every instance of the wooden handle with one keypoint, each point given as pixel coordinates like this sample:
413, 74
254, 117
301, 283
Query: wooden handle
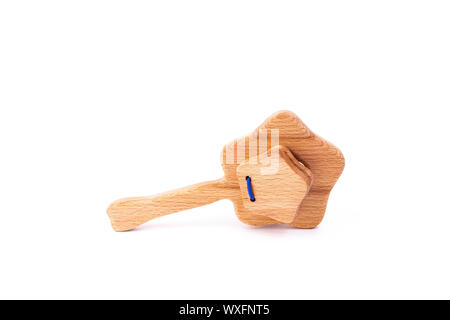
128, 213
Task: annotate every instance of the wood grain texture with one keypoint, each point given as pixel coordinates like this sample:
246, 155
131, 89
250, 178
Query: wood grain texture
128, 213
295, 194
279, 183
323, 159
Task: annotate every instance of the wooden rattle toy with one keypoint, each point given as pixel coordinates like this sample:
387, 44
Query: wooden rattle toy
282, 173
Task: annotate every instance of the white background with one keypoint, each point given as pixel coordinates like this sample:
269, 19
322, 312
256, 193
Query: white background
105, 99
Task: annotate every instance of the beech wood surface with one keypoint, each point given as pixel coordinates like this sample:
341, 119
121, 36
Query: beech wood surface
295, 194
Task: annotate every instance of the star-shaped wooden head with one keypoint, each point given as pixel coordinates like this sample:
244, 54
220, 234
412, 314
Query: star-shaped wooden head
294, 191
